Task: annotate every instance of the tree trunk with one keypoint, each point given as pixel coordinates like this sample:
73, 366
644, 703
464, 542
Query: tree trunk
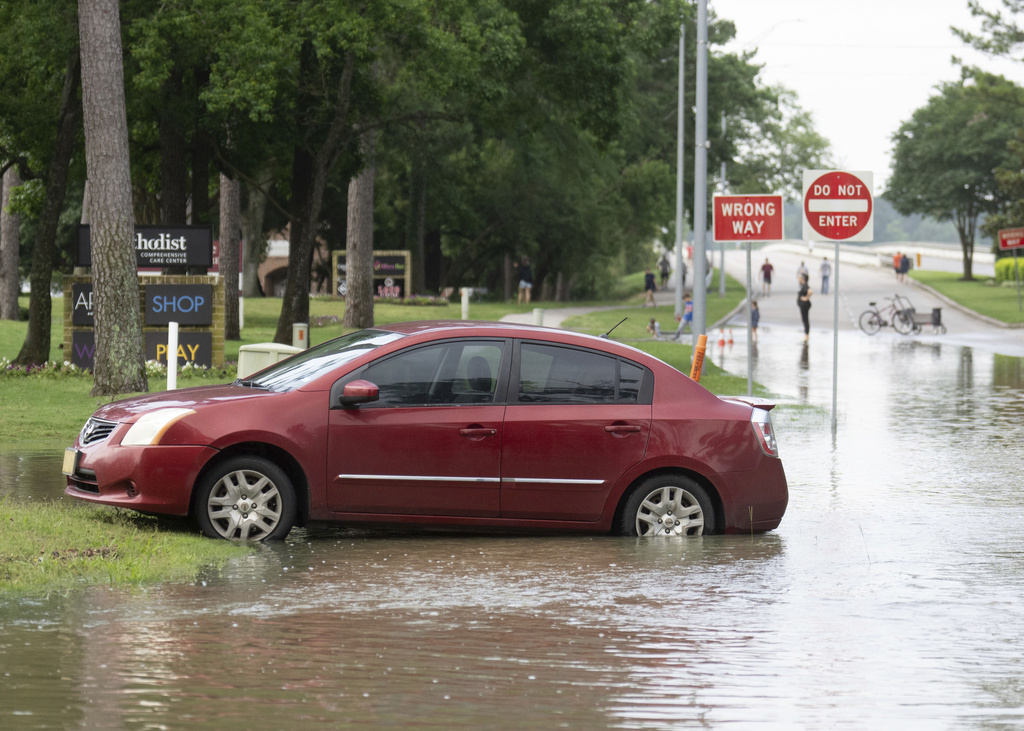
359, 238
418, 224
229, 215
253, 238
173, 173
966, 224
295, 307
120, 354
10, 283
36, 348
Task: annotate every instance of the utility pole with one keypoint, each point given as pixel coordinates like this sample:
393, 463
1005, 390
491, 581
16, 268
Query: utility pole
721, 244
680, 174
700, 180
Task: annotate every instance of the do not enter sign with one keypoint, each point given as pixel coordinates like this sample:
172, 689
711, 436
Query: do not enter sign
838, 206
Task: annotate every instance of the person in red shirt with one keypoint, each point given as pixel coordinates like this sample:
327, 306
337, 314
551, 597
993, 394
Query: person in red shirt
766, 278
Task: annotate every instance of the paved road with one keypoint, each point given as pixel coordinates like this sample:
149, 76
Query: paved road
862, 279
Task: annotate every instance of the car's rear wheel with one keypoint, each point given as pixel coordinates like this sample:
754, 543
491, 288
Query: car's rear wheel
668, 505
246, 498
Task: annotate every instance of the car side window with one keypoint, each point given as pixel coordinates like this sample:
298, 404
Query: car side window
552, 374
456, 372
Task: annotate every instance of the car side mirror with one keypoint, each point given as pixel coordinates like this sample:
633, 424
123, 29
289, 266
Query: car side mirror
359, 392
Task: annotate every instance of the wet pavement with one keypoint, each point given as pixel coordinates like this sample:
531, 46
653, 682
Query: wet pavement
889, 596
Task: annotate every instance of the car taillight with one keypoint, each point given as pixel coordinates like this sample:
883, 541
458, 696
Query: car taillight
762, 422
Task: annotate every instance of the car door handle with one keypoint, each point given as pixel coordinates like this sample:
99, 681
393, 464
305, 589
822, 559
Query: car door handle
621, 428
478, 432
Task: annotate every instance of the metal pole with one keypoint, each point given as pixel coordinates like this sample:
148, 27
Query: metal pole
721, 244
1016, 269
680, 174
835, 344
750, 326
700, 179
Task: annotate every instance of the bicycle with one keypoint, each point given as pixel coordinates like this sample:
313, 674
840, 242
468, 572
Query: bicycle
900, 313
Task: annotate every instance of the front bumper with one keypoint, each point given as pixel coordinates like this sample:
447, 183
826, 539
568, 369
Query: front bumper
153, 479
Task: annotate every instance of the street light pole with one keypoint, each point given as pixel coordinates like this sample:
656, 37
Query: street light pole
700, 180
680, 174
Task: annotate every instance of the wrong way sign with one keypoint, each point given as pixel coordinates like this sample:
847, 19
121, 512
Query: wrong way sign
747, 217
838, 206
1011, 238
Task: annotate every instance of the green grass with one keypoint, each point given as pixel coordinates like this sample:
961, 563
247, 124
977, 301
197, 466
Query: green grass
999, 303
49, 546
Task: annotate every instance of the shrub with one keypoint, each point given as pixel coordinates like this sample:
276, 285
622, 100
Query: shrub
1004, 269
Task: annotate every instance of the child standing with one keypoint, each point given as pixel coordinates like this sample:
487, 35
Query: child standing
755, 317
687, 321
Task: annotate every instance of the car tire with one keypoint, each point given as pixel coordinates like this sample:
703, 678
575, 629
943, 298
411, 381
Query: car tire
246, 498
668, 505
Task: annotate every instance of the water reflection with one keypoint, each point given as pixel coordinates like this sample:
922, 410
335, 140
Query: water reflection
889, 595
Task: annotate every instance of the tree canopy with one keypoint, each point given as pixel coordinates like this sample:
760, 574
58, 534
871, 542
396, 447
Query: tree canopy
500, 127
945, 157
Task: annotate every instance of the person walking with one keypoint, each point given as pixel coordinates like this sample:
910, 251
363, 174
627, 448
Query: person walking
801, 271
826, 272
687, 320
649, 287
755, 318
525, 280
766, 278
803, 301
664, 268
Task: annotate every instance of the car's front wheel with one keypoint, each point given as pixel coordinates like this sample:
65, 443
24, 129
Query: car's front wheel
668, 505
246, 498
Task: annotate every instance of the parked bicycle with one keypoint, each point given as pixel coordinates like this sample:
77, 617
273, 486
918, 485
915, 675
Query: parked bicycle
899, 313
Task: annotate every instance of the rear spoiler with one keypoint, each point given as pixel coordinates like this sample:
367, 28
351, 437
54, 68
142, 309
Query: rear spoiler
757, 403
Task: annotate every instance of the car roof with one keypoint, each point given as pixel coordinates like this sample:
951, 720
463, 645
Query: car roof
433, 329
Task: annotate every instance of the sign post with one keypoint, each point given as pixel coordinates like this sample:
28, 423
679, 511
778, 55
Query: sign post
1011, 239
747, 218
838, 206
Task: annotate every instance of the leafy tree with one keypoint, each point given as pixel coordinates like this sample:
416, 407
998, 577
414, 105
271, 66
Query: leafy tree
1002, 34
945, 156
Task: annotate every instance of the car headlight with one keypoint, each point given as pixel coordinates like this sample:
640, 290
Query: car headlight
151, 427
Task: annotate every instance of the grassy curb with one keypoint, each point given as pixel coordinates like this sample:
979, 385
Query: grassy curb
978, 295
49, 546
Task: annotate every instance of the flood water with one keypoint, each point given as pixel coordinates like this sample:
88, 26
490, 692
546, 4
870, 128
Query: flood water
890, 596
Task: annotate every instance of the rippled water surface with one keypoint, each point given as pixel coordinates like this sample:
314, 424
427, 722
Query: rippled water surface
889, 597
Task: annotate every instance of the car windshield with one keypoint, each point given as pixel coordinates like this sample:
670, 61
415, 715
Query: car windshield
304, 367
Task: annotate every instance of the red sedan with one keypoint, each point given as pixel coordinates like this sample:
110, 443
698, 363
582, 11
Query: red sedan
443, 423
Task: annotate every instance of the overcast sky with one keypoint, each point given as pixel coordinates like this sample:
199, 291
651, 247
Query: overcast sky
861, 67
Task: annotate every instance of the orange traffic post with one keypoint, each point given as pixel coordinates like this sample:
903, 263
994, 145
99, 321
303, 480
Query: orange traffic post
698, 357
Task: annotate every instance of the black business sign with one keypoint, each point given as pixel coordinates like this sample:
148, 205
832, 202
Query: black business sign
81, 304
160, 246
83, 348
193, 347
185, 304
390, 274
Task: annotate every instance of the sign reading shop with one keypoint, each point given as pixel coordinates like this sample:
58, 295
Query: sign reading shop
185, 304
160, 246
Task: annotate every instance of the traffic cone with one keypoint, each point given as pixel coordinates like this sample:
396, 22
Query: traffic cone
721, 338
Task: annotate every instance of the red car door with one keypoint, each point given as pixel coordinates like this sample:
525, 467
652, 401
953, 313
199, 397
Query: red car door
432, 443
576, 421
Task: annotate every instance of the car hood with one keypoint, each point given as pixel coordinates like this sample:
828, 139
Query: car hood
186, 398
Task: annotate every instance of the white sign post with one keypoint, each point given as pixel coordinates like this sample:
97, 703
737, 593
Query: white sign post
838, 206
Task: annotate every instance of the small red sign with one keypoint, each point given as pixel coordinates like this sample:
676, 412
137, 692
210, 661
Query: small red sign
748, 218
1011, 238
838, 206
